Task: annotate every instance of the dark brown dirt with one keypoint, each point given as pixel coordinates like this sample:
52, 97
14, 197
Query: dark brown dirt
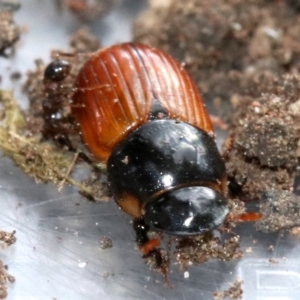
217, 39
281, 210
263, 151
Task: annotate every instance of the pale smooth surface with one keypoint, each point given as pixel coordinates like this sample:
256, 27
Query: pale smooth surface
58, 254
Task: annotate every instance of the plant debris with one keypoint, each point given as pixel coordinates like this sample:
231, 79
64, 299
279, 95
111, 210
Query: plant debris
42, 160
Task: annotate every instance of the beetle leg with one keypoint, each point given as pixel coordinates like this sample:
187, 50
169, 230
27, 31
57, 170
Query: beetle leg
248, 217
217, 122
145, 244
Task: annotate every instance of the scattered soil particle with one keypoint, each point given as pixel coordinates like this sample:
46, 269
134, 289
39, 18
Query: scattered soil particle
158, 260
4, 278
7, 238
249, 250
15, 76
201, 248
295, 230
234, 292
273, 261
9, 30
84, 42
106, 275
105, 242
97, 191
281, 210
86, 10
271, 248
196, 250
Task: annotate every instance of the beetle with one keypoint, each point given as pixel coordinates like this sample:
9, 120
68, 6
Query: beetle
139, 111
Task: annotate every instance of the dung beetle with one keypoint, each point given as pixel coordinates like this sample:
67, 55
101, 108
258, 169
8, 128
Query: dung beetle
139, 111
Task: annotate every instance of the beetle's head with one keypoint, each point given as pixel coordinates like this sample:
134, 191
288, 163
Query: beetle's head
187, 211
